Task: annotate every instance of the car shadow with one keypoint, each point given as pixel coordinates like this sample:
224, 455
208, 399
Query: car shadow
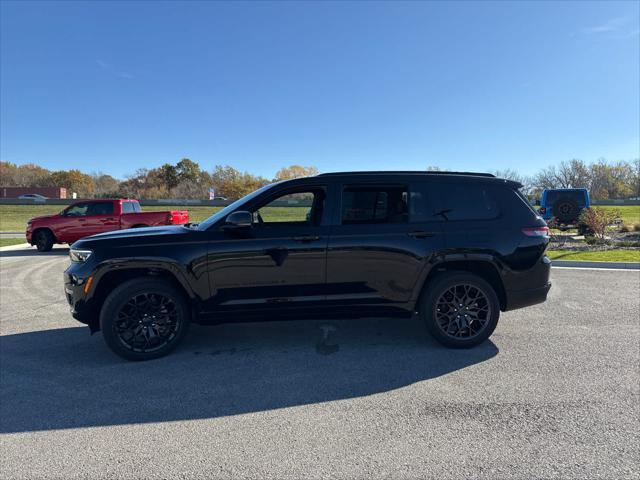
63, 378
33, 252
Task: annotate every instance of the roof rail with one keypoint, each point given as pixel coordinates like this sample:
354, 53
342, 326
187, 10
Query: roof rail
407, 172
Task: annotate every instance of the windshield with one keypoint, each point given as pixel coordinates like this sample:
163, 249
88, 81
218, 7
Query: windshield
230, 208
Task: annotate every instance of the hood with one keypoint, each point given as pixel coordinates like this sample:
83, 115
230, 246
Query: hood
44, 217
131, 236
139, 232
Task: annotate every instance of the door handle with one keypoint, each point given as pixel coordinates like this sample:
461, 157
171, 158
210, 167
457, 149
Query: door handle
306, 238
109, 219
421, 234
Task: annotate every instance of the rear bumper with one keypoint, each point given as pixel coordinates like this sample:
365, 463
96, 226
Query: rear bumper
532, 287
525, 298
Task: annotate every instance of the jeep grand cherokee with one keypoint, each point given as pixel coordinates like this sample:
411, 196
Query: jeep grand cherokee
455, 248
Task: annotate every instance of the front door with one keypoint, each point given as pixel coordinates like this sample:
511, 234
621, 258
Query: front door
280, 261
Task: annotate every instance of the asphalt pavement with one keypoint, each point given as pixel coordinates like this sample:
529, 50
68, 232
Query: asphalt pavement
553, 394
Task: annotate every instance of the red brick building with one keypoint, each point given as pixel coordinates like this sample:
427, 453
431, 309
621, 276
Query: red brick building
49, 192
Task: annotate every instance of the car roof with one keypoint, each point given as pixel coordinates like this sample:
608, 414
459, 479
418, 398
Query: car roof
395, 176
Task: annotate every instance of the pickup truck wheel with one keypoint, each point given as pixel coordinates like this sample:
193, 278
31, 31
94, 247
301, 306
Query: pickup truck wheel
460, 309
140, 225
144, 319
43, 240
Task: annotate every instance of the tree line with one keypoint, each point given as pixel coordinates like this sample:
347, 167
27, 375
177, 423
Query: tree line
187, 180
184, 180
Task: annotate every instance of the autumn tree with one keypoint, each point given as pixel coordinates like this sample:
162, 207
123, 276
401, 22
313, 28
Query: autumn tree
295, 171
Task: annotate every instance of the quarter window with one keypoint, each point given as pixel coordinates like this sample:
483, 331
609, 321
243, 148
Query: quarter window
447, 201
127, 207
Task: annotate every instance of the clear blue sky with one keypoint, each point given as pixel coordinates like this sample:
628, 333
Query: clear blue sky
114, 86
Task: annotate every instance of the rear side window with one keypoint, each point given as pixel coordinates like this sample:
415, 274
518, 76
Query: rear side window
374, 204
127, 207
101, 208
453, 201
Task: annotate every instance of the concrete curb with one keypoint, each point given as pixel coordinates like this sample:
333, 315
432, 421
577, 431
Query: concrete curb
576, 263
20, 246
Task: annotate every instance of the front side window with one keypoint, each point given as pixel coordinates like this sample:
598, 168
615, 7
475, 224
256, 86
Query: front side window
77, 210
372, 204
296, 208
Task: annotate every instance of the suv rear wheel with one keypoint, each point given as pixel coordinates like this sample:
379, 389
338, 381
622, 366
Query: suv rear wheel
460, 309
144, 319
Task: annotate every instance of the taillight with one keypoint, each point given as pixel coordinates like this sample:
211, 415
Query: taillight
536, 231
542, 210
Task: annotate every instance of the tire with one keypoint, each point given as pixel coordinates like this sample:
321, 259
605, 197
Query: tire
129, 314
566, 210
454, 335
140, 225
43, 240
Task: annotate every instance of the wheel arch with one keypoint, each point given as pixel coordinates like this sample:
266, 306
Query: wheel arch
109, 277
486, 268
40, 229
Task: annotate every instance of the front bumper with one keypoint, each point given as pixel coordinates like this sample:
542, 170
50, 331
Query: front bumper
78, 290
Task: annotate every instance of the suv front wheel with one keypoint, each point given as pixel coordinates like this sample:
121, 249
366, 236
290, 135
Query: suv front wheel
144, 318
460, 309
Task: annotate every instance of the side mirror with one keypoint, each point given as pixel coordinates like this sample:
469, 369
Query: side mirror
240, 219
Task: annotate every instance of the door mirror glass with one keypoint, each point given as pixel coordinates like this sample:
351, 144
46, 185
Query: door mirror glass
240, 219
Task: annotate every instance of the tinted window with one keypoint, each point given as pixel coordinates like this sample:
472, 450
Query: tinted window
101, 208
127, 207
374, 205
452, 201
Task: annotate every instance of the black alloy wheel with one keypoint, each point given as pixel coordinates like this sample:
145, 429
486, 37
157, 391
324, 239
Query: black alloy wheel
144, 318
460, 309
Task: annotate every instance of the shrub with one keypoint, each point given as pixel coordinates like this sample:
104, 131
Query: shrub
624, 228
597, 220
636, 227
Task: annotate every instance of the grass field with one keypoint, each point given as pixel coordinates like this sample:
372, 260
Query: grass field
596, 256
13, 218
5, 242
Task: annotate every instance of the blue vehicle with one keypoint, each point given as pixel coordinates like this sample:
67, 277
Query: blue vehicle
564, 204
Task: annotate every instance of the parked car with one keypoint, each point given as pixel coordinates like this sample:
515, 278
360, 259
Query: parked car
455, 248
33, 196
564, 204
90, 217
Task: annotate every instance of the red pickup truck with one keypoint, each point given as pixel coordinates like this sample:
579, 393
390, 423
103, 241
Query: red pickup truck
90, 217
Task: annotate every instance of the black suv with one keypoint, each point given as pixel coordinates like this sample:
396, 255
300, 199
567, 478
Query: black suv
457, 248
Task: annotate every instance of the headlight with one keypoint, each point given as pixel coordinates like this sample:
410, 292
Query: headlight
79, 256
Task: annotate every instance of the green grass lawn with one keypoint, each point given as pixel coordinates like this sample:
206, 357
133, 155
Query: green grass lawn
5, 242
598, 256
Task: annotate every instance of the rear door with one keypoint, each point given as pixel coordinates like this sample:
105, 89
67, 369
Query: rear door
101, 218
379, 245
